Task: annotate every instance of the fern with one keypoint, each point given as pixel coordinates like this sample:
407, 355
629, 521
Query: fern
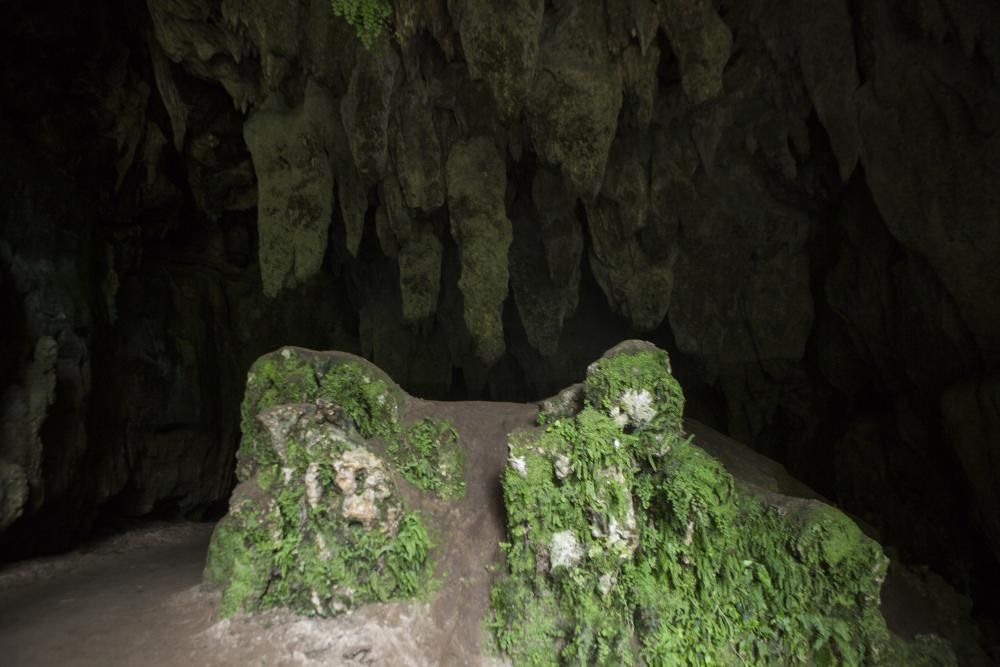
368, 17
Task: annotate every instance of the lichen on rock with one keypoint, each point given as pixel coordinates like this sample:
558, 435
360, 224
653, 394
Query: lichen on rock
629, 544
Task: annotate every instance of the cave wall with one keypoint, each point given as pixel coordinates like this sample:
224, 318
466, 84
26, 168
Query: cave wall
798, 199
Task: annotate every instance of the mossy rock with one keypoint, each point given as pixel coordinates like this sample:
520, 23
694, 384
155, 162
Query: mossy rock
317, 524
626, 543
340, 381
429, 455
634, 384
629, 544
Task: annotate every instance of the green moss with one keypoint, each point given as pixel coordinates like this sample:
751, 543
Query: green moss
368, 400
239, 560
290, 375
528, 641
222, 551
430, 456
629, 544
923, 651
290, 553
369, 18
637, 388
316, 524
361, 565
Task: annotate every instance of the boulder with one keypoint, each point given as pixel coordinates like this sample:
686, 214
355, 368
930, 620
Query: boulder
625, 534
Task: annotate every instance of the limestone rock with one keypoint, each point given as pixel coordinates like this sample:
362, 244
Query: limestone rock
830, 72
573, 107
24, 411
317, 524
13, 492
702, 43
420, 274
501, 45
929, 163
636, 284
588, 578
419, 159
290, 151
543, 303
480, 227
367, 107
972, 428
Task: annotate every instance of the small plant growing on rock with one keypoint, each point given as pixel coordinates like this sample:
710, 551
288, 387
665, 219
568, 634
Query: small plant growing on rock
628, 544
369, 18
316, 524
429, 455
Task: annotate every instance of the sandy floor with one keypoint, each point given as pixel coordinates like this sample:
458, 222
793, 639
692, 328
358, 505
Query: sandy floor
132, 600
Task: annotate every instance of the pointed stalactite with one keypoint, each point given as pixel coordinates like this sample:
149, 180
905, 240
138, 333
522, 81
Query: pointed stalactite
476, 185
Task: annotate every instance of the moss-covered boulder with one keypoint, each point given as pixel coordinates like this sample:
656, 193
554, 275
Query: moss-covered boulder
629, 544
624, 540
317, 523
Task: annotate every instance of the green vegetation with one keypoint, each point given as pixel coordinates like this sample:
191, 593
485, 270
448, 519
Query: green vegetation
279, 547
637, 389
430, 456
628, 544
369, 18
316, 525
291, 376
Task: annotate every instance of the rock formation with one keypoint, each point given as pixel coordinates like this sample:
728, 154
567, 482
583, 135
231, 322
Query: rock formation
625, 540
797, 199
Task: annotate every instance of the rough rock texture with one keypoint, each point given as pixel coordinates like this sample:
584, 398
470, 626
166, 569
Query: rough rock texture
797, 199
627, 542
624, 539
480, 227
316, 523
290, 151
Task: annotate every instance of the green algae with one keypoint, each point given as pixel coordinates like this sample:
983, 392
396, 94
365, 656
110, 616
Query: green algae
628, 544
430, 456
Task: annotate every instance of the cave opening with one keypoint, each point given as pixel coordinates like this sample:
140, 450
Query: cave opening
811, 239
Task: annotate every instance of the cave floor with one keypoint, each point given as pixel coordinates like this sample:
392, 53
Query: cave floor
132, 600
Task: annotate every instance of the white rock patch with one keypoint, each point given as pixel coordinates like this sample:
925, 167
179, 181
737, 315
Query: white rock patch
637, 406
314, 490
564, 550
562, 466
